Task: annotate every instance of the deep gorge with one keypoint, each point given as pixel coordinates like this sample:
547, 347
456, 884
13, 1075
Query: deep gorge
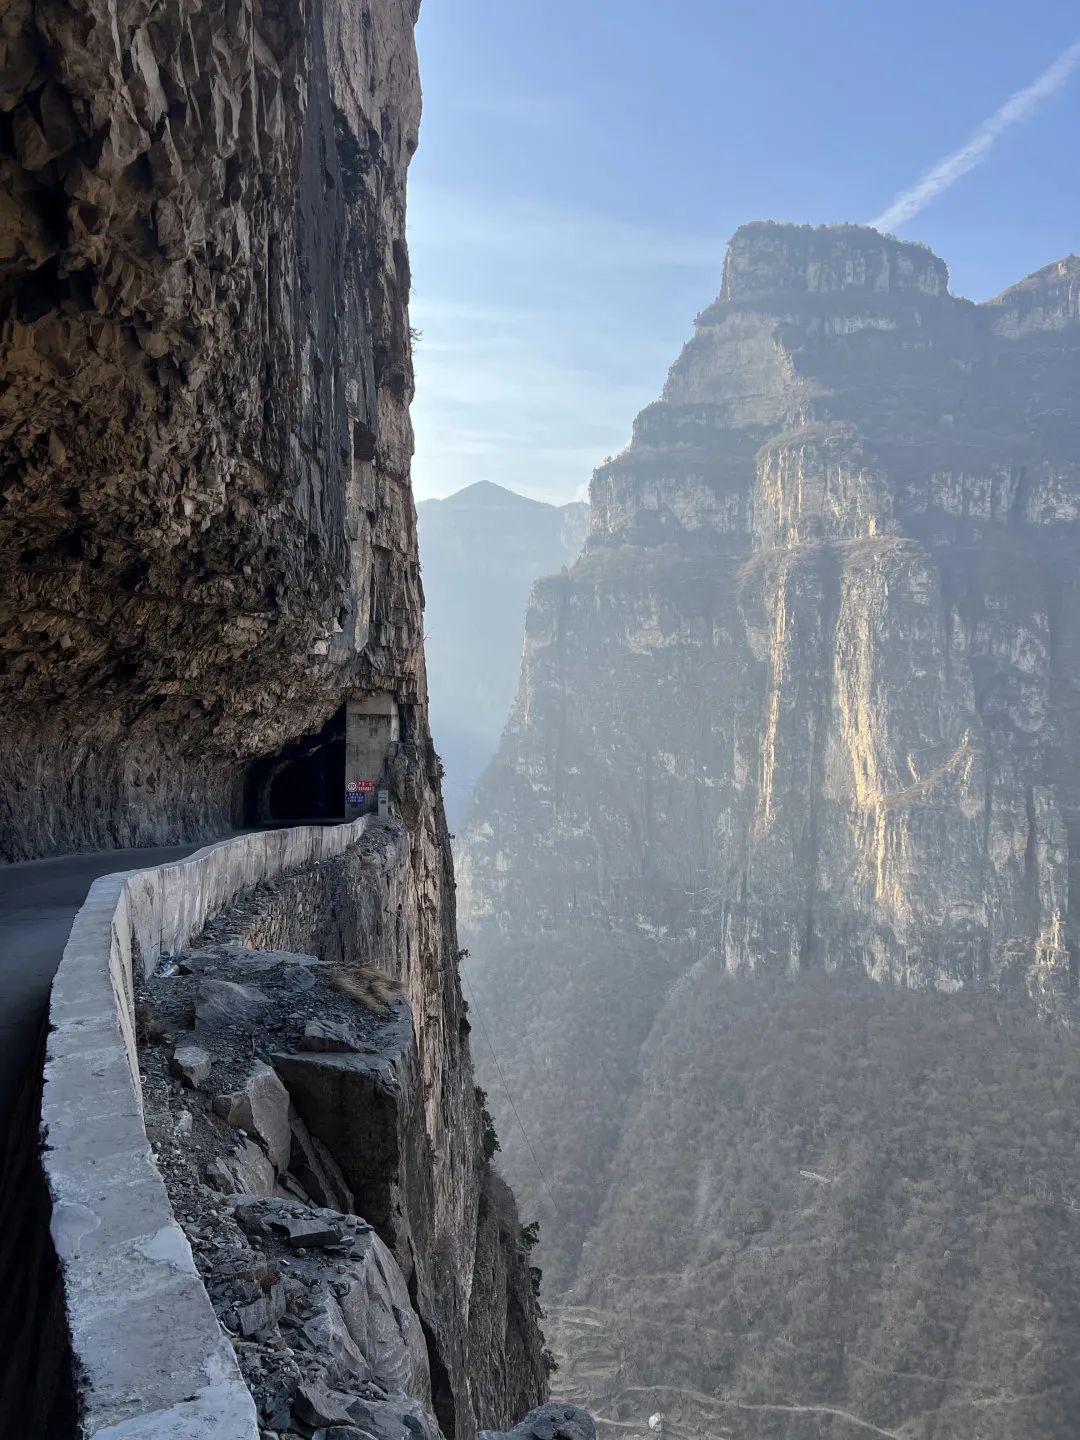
208, 545
771, 889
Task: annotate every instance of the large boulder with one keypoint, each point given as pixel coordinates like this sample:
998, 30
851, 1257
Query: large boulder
223, 1003
363, 1316
261, 1109
244, 1171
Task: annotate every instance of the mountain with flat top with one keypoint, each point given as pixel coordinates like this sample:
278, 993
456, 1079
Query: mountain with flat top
772, 888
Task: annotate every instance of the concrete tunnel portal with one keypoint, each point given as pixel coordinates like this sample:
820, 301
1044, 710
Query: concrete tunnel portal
334, 773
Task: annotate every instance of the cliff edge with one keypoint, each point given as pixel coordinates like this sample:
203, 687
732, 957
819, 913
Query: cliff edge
771, 889
207, 532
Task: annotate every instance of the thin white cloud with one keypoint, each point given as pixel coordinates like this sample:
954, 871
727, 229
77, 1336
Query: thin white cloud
947, 171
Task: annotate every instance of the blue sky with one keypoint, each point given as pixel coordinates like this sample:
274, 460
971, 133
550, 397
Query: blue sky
582, 165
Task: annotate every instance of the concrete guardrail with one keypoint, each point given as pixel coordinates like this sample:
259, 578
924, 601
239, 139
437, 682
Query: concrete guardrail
150, 1358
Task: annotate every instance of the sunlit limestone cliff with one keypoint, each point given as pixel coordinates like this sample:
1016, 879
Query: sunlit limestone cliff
788, 814
811, 690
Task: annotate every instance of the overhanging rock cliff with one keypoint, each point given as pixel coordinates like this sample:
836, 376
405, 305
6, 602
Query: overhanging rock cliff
206, 527
207, 534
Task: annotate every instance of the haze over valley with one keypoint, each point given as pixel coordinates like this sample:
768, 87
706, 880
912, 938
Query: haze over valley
539, 720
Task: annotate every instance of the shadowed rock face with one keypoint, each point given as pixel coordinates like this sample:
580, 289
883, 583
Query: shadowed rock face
207, 535
206, 530
803, 718
812, 686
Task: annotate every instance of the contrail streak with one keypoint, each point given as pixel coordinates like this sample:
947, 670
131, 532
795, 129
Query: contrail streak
946, 172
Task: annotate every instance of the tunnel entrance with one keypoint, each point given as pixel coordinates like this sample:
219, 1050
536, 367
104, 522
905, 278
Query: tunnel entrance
304, 780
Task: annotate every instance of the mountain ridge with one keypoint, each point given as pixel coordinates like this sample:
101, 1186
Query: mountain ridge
488, 490
771, 890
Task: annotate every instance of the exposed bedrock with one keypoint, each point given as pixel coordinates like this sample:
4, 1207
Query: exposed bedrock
206, 530
396, 1109
208, 547
772, 889
812, 689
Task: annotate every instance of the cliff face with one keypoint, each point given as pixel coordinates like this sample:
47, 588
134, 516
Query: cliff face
481, 550
206, 526
803, 717
207, 533
811, 688
390, 1098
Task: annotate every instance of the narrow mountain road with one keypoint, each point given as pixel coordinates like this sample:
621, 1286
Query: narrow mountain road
38, 902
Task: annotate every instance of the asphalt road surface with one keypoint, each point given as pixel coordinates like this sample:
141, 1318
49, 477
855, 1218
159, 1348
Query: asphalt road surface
38, 901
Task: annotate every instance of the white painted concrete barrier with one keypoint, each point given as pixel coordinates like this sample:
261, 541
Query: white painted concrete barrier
151, 1360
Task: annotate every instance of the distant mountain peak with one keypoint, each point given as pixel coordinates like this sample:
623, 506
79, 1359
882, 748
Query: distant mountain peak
486, 494
1046, 300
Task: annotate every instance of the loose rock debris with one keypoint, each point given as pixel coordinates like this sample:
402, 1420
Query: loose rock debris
314, 1303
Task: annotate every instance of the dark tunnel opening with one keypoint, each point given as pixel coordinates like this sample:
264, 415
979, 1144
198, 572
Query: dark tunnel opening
304, 780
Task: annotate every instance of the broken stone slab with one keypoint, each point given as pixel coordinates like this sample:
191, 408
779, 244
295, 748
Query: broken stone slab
246, 1171
192, 1064
261, 1315
554, 1421
222, 1003
396, 1418
312, 1234
261, 1109
367, 1109
318, 1408
329, 1336
277, 1213
330, 1035
303, 1227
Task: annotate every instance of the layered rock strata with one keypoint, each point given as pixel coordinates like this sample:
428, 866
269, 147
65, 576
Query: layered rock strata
811, 691
207, 535
771, 890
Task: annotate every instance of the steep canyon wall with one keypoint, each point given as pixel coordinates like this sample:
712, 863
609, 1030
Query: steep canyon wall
207, 532
804, 717
206, 526
831, 587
